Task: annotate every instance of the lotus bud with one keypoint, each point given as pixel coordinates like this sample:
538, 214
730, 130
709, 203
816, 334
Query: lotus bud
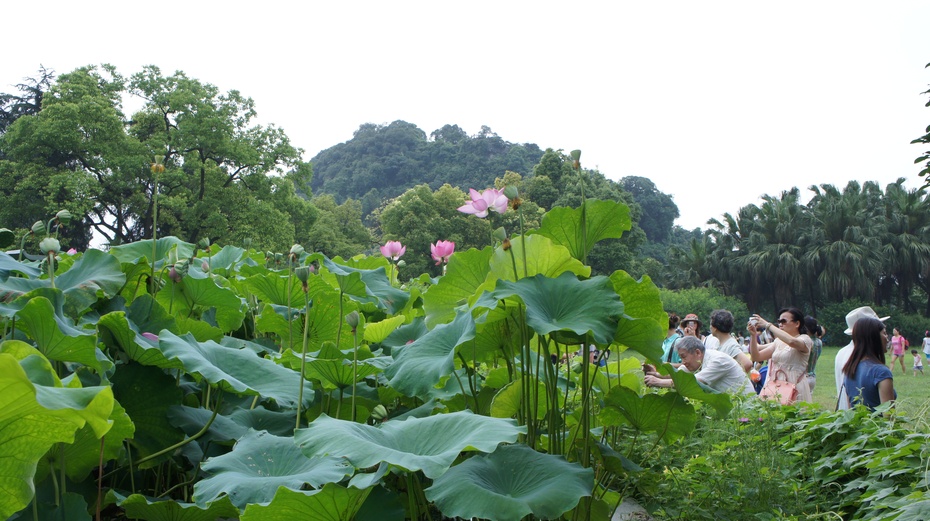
50, 244
247, 243
38, 227
511, 191
7, 237
64, 217
576, 159
379, 412
500, 233
352, 319
151, 336
205, 266
302, 273
174, 275
401, 263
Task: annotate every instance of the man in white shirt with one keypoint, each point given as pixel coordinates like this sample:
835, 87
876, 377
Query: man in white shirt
712, 368
843, 355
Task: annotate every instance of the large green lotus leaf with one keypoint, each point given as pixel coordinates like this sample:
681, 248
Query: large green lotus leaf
226, 259
563, 304
667, 414
116, 331
238, 371
376, 283
203, 294
73, 507
147, 393
259, 464
508, 400
148, 315
200, 329
83, 455
229, 428
339, 373
272, 288
325, 320
509, 484
405, 334
626, 371
420, 366
687, 385
270, 321
645, 322
603, 220
492, 340
429, 444
465, 273
35, 417
542, 256
9, 264
56, 335
95, 275
131, 253
138, 506
376, 332
331, 503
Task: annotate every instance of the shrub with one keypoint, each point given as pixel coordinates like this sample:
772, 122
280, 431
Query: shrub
702, 301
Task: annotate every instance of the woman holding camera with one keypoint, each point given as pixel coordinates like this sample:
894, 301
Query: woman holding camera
788, 354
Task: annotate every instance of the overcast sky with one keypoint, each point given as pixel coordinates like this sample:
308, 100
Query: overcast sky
716, 102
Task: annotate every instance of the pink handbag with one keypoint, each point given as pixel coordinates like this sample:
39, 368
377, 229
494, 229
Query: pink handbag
782, 390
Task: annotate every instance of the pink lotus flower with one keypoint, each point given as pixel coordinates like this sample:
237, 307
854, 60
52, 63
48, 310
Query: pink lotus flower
72, 251
490, 199
150, 336
441, 251
393, 250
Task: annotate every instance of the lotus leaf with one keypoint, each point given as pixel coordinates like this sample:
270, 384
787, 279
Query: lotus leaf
261, 462
236, 370
133, 252
513, 482
644, 321
429, 444
421, 365
668, 414
138, 506
133, 386
376, 287
35, 417
465, 273
564, 304
96, 274
331, 503
603, 220
56, 336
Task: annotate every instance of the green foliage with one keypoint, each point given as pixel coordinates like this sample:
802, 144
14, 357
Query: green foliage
702, 301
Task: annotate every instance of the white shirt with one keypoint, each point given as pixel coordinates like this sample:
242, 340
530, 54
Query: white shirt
721, 373
841, 358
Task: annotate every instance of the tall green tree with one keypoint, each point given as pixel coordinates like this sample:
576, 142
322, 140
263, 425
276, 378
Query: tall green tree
906, 250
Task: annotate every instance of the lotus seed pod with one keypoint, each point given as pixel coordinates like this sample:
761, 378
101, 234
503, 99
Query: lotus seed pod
64, 217
302, 273
297, 250
379, 412
38, 227
352, 319
511, 191
50, 244
401, 263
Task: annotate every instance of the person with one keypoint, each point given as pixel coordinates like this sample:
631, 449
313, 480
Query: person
669, 354
867, 380
926, 345
842, 356
788, 353
897, 350
714, 370
918, 362
721, 325
817, 332
691, 326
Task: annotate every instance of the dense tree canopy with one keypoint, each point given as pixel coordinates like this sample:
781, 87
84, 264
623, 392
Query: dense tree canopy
382, 161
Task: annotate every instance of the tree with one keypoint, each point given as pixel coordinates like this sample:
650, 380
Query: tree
925, 139
29, 101
659, 210
906, 252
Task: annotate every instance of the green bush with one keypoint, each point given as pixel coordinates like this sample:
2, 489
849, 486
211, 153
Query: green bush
702, 301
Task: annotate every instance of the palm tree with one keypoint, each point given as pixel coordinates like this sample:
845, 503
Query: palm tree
906, 252
844, 241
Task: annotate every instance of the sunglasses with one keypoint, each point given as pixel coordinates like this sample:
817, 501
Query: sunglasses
783, 321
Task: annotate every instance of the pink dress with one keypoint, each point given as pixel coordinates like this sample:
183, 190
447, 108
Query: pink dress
897, 345
789, 364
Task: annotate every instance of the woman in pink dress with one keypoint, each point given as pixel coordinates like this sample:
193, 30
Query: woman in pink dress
788, 354
897, 350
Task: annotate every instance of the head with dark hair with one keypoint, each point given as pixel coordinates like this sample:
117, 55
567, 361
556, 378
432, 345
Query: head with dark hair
722, 320
810, 323
673, 321
794, 316
869, 341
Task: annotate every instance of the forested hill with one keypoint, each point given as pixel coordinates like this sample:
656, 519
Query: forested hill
383, 161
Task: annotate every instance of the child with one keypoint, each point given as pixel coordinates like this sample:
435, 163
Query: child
918, 363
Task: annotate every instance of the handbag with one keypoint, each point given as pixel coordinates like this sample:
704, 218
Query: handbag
783, 391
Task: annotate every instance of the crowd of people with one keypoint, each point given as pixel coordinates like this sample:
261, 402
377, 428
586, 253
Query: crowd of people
777, 359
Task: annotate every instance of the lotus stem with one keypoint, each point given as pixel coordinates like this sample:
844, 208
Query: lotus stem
303, 361
184, 442
100, 477
355, 369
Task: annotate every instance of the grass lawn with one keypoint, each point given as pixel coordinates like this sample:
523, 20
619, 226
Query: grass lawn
913, 392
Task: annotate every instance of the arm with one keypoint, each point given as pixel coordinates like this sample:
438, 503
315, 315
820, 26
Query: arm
743, 360
659, 380
886, 390
795, 342
758, 352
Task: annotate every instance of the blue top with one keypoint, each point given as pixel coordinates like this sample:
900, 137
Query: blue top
667, 349
863, 386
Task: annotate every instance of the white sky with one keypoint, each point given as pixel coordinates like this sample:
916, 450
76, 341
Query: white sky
716, 102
